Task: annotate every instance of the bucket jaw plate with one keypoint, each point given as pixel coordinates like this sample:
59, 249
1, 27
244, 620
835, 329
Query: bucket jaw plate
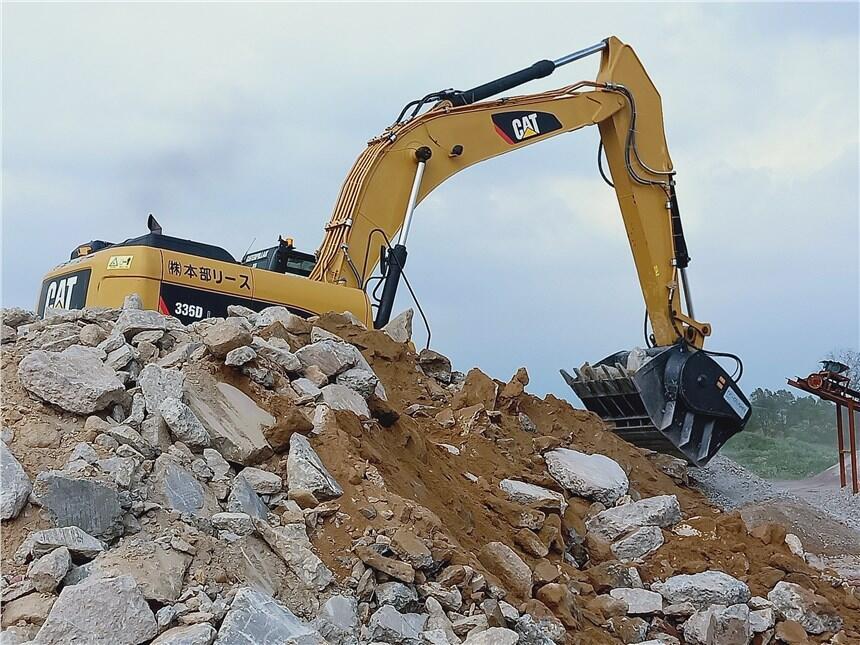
672, 400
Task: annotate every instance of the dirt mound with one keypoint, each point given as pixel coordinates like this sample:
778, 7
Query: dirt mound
426, 494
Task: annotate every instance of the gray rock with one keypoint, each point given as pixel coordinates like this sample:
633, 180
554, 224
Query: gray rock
271, 315
318, 334
16, 316
175, 487
99, 611
257, 619
278, 355
179, 355
639, 543
200, 634
435, 365
593, 476
238, 523
639, 601
226, 335
74, 380
112, 342
120, 469
338, 621
359, 380
234, 421
133, 321
340, 397
158, 383
90, 504
703, 589
662, 511
243, 499
239, 356
306, 387
72, 538
217, 464
532, 495
306, 471
815, 614
158, 571
156, 435
719, 625
127, 436
292, 545
92, 334
132, 301
120, 357
438, 620
154, 336
242, 312
47, 572
399, 328
762, 620
8, 335
494, 636
396, 594
183, 423
15, 486
330, 356
390, 626
532, 632
262, 481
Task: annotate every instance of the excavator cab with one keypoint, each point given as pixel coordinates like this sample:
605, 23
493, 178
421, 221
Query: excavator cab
676, 400
283, 258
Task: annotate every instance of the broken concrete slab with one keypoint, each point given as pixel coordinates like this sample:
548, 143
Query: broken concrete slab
15, 486
257, 619
503, 562
609, 525
74, 380
593, 476
341, 397
292, 545
243, 499
173, 486
75, 539
183, 423
47, 572
158, 383
703, 589
225, 335
99, 611
639, 543
639, 601
338, 621
234, 421
199, 634
133, 321
89, 504
330, 356
532, 495
262, 481
158, 570
390, 626
399, 328
814, 613
239, 356
435, 365
306, 471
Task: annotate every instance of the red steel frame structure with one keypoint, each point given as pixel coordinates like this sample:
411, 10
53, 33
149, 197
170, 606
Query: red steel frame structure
833, 387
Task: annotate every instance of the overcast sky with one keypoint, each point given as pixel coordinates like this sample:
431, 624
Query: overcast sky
235, 122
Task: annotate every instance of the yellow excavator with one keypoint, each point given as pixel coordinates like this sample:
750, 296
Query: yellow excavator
672, 396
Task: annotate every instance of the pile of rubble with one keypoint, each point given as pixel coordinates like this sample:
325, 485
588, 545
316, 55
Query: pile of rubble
272, 479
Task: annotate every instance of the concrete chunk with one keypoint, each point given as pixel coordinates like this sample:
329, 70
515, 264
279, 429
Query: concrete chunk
639, 543
15, 486
226, 335
531, 495
814, 613
662, 511
183, 423
703, 589
200, 634
74, 380
234, 421
47, 572
257, 619
158, 384
175, 487
306, 471
390, 626
99, 611
593, 476
89, 504
340, 397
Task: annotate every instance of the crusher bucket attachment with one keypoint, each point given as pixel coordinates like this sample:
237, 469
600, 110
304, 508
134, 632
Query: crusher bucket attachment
669, 399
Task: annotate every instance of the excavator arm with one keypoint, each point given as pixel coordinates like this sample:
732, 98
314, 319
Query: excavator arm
673, 396
376, 200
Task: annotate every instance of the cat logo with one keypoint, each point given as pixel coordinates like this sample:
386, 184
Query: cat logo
120, 262
65, 292
60, 292
516, 127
